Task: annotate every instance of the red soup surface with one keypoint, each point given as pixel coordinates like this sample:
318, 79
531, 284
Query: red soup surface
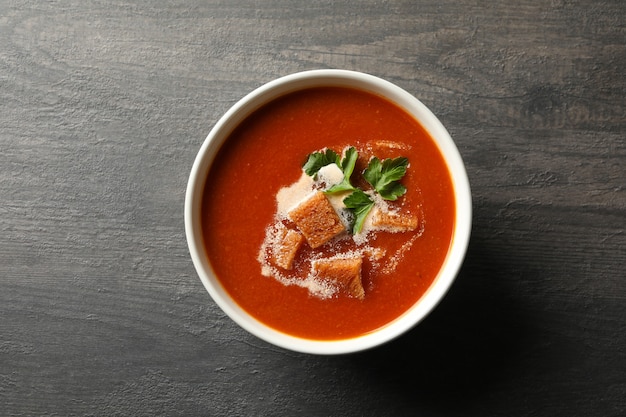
266, 153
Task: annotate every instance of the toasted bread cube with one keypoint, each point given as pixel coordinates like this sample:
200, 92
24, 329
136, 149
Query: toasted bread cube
285, 247
394, 222
343, 272
317, 220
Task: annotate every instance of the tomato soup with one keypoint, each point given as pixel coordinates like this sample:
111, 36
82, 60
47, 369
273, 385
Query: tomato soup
266, 153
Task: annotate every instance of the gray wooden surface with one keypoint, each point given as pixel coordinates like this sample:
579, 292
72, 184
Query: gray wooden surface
104, 104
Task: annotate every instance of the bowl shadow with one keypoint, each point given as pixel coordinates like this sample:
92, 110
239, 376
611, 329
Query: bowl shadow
472, 341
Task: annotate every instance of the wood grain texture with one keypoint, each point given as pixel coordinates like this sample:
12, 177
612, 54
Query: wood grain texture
103, 106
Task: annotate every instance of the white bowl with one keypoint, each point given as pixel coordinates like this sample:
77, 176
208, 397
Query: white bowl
318, 78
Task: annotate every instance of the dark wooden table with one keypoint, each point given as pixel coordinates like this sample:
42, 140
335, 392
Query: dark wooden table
104, 105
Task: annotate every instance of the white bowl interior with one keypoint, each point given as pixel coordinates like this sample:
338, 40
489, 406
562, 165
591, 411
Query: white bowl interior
267, 93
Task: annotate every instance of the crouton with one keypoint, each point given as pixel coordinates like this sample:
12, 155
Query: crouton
285, 247
345, 273
393, 222
317, 220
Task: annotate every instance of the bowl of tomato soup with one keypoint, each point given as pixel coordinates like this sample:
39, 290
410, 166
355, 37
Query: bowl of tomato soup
328, 212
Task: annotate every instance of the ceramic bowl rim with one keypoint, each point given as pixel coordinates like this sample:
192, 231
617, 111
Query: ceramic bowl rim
317, 78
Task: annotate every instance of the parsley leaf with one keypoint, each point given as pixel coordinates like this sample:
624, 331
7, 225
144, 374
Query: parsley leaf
384, 176
360, 204
317, 160
347, 166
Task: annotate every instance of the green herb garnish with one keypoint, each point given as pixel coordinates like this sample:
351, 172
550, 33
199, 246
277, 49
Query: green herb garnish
360, 204
385, 176
317, 160
347, 166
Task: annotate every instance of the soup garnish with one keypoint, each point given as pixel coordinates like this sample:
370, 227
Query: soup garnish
337, 221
